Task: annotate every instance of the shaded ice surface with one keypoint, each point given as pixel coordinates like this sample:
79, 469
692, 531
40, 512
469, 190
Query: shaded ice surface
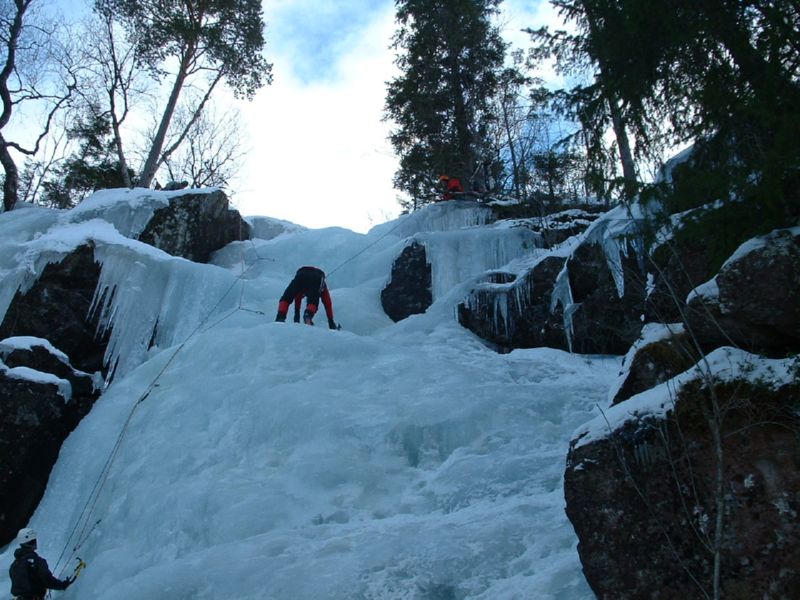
243, 458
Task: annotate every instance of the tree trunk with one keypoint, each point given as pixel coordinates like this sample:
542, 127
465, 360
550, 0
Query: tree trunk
123, 164
625, 154
515, 169
154, 157
11, 183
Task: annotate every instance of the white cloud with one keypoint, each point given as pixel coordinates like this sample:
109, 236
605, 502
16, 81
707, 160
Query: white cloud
319, 155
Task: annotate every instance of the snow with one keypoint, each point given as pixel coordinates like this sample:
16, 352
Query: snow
779, 236
722, 365
26, 342
34, 376
243, 458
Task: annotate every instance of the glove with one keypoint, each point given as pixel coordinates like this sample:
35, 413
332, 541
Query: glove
332, 324
68, 582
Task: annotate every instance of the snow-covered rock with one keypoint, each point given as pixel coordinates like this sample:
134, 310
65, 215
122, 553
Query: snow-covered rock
661, 352
754, 300
640, 488
585, 295
42, 399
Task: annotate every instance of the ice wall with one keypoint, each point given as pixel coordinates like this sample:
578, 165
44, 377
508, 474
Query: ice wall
457, 256
147, 300
144, 296
439, 216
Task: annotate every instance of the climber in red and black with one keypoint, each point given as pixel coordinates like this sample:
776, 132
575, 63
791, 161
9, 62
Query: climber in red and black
308, 282
451, 187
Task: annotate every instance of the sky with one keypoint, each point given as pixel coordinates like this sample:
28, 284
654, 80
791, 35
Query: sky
319, 154
384, 461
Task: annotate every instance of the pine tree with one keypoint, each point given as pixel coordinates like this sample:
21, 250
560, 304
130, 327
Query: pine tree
93, 166
721, 74
450, 56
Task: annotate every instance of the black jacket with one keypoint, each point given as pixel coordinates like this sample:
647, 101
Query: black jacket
30, 575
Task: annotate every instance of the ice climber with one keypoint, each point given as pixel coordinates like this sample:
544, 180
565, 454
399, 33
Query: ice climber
29, 573
308, 282
451, 187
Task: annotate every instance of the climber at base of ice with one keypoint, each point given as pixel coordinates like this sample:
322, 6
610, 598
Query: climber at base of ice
30, 575
308, 282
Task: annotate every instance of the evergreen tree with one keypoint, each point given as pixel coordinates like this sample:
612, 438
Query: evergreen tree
450, 56
721, 74
93, 166
724, 75
594, 104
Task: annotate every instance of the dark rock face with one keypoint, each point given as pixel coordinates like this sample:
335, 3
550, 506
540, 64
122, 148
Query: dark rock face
644, 505
517, 316
603, 322
655, 363
599, 320
758, 304
57, 308
681, 268
35, 419
409, 291
195, 225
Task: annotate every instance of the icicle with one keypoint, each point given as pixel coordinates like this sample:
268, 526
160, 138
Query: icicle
562, 294
145, 297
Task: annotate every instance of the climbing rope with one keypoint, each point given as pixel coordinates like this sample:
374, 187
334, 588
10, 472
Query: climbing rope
84, 526
83, 522
368, 246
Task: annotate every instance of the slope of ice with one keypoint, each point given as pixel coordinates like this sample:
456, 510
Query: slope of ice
243, 458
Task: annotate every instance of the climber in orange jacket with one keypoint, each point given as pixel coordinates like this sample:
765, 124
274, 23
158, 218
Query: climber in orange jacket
308, 282
452, 187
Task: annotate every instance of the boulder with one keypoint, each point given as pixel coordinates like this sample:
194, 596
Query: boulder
680, 268
511, 312
754, 301
606, 316
640, 487
58, 308
588, 300
661, 353
193, 226
43, 399
409, 291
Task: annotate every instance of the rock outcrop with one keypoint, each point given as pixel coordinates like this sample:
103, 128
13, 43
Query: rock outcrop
754, 301
662, 352
43, 398
511, 313
409, 291
195, 225
607, 299
589, 301
57, 308
642, 495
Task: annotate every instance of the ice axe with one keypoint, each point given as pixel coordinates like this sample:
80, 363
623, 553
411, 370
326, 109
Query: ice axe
81, 566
